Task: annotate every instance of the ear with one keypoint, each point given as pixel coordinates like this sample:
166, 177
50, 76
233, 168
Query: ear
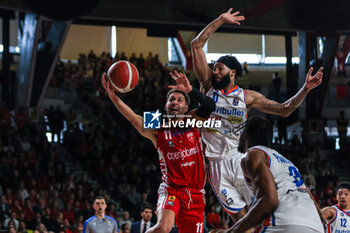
233, 72
186, 107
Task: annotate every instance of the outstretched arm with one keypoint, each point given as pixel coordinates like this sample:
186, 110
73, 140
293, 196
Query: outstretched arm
128, 113
256, 100
203, 72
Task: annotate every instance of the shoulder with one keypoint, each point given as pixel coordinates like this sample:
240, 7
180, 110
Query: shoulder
89, 220
251, 95
111, 218
254, 157
136, 223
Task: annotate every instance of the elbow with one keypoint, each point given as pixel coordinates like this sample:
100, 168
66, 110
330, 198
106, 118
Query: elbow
269, 205
196, 44
272, 203
286, 112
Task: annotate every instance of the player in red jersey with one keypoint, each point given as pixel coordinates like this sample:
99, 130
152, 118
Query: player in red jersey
181, 194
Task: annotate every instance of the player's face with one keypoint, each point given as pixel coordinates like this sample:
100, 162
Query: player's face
222, 76
146, 215
100, 205
176, 104
343, 198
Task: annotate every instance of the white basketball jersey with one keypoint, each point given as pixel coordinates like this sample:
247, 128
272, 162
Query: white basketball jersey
232, 111
341, 222
295, 205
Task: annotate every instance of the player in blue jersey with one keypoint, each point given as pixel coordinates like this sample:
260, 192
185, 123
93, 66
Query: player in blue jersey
338, 216
282, 202
100, 223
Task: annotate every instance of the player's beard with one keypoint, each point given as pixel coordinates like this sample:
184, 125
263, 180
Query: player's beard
218, 85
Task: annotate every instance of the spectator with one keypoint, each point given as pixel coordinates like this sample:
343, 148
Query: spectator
22, 227
145, 223
125, 228
276, 86
245, 67
342, 127
4, 208
28, 211
125, 219
41, 228
134, 197
68, 213
13, 218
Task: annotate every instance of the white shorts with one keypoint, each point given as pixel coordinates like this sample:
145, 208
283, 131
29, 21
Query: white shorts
228, 183
288, 229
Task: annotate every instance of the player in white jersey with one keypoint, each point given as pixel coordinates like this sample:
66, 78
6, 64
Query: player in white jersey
233, 103
282, 201
338, 216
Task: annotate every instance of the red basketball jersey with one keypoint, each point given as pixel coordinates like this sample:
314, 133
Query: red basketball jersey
181, 158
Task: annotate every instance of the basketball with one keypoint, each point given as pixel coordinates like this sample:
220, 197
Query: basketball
123, 76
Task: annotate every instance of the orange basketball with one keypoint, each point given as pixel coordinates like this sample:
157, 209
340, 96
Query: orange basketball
123, 76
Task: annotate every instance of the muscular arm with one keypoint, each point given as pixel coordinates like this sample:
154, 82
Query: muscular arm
256, 100
257, 172
201, 68
260, 102
129, 114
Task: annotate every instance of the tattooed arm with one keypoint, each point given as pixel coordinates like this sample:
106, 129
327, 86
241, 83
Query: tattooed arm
201, 68
256, 100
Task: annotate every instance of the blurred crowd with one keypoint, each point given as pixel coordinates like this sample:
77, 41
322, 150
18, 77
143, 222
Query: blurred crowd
48, 184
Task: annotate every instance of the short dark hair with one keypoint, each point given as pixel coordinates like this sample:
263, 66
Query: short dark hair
232, 63
343, 185
144, 207
171, 91
98, 198
259, 130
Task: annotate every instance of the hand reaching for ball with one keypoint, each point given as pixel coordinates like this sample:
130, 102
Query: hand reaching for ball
107, 85
182, 83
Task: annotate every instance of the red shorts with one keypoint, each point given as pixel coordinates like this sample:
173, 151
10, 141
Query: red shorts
187, 204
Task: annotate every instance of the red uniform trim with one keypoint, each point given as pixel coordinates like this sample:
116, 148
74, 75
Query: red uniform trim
228, 92
348, 214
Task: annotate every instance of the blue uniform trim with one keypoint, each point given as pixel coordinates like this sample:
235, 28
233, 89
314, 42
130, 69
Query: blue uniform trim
234, 210
273, 220
114, 220
87, 222
264, 229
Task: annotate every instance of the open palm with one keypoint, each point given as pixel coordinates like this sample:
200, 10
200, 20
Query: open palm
313, 81
182, 83
233, 18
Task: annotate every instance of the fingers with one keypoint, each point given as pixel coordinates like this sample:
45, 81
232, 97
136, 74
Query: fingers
176, 75
236, 13
172, 87
320, 70
229, 10
240, 18
310, 71
173, 76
